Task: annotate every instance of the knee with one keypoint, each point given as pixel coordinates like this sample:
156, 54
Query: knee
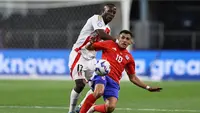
110, 108
98, 94
80, 84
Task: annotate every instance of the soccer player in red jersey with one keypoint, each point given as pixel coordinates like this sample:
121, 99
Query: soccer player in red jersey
108, 86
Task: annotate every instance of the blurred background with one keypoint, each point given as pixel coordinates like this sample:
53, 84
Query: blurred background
37, 36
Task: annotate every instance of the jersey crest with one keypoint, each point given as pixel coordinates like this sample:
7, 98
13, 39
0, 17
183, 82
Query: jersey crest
127, 57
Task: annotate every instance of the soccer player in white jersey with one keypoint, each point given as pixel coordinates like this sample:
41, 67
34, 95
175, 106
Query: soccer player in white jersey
82, 61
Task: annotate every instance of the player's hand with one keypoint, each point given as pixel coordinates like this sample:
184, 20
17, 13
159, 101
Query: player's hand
92, 40
154, 89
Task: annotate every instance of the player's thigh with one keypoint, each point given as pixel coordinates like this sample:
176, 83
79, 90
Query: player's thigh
88, 73
83, 69
98, 84
99, 89
72, 56
112, 89
78, 71
90, 67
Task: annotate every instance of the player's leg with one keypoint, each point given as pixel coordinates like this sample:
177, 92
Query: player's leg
111, 94
79, 77
89, 74
111, 103
99, 84
80, 105
89, 70
108, 107
90, 100
89, 77
79, 86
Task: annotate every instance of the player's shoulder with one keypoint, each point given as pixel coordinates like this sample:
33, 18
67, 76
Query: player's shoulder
97, 17
109, 41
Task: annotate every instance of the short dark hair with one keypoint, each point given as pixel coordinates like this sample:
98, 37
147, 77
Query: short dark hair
126, 32
110, 5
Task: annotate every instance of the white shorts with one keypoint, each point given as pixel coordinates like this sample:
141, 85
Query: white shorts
81, 68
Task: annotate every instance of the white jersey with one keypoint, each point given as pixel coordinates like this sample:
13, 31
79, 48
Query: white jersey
81, 61
87, 32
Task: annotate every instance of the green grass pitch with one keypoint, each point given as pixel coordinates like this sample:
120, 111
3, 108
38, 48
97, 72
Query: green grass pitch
42, 96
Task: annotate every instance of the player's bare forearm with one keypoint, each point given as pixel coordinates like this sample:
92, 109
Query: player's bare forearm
104, 36
135, 80
89, 47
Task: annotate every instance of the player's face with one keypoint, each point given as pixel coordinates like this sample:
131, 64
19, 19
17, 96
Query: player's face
109, 13
124, 40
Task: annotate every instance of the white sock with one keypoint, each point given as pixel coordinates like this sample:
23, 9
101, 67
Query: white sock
73, 100
89, 92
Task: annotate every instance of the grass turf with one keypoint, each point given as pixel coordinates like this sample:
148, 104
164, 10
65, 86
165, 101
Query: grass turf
43, 96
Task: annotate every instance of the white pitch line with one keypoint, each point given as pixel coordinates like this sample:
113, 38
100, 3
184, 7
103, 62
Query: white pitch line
120, 109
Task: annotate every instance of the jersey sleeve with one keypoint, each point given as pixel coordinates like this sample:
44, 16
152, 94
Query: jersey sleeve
97, 22
102, 45
130, 67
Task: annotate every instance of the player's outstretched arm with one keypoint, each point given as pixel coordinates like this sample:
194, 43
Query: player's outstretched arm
104, 35
135, 80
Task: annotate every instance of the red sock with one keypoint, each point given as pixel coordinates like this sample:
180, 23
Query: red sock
88, 103
100, 108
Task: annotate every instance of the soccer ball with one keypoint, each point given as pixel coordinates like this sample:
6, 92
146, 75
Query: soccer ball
102, 67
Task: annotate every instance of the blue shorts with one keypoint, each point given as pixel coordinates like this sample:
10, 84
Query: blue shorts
111, 87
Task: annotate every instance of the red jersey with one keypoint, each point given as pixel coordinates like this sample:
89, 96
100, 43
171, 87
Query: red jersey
118, 58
